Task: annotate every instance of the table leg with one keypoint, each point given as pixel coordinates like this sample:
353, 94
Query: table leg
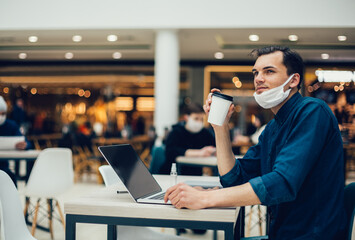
17, 170
228, 233
111, 232
70, 228
214, 234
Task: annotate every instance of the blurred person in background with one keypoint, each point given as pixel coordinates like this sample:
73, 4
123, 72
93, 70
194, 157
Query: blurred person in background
19, 115
10, 128
259, 124
189, 138
296, 169
85, 135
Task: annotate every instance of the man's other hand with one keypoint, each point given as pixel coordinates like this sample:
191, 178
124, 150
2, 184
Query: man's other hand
21, 145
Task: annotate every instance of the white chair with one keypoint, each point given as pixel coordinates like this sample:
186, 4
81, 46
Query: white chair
132, 232
13, 226
52, 175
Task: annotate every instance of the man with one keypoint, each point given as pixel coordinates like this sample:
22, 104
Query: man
188, 138
9, 128
296, 169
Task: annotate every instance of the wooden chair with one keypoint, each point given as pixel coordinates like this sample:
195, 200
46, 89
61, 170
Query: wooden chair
86, 162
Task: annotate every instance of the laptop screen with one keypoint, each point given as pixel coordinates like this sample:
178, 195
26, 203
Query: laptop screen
130, 169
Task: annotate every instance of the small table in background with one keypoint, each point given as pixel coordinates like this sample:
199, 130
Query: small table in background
199, 162
17, 156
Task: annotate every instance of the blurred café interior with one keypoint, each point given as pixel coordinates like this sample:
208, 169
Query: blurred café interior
125, 76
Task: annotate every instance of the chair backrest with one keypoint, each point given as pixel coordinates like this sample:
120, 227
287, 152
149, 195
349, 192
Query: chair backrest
52, 173
13, 226
109, 175
349, 202
158, 159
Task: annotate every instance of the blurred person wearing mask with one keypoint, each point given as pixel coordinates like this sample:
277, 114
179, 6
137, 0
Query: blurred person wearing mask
10, 128
296, 169
259, 124
188, 138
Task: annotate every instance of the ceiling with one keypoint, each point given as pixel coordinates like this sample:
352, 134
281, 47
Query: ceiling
195, 44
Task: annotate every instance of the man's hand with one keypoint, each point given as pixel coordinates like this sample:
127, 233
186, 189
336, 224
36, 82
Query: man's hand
207, 107
185, 196
21, 145
207, 151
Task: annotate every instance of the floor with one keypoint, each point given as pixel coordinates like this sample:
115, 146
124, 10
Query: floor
98, 232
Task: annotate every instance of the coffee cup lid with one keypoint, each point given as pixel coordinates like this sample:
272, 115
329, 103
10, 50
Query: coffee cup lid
224, 96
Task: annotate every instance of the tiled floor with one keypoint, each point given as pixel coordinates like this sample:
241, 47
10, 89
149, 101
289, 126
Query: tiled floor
98, 232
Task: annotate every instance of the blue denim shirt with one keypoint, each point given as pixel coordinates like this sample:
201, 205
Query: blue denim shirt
297, 170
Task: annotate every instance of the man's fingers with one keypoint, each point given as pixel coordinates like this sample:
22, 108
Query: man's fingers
168, 192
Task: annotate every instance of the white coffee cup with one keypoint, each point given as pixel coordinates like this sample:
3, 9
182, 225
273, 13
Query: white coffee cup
219, 108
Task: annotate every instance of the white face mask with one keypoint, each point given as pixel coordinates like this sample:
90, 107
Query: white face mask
273, 97
2, 119
193, 125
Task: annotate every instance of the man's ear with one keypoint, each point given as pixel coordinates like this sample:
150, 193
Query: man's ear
295, 80
186, 117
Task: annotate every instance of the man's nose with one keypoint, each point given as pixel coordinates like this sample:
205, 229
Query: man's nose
259, 79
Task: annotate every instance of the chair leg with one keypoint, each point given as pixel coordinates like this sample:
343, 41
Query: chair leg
34, 223
249, 220
60, 214
50, 217
260, 221
27, 204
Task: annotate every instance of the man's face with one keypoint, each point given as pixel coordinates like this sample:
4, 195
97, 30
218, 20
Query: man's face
269, 72
197, 116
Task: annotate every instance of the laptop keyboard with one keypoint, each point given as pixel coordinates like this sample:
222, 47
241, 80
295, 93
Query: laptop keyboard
159, 196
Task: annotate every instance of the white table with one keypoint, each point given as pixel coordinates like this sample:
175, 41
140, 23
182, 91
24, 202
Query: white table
18, 155
199, 161
109, 208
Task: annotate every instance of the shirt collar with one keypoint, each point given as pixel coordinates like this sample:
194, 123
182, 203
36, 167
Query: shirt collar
286, 109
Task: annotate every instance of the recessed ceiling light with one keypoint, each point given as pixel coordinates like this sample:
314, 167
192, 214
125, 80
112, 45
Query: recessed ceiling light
219, 55
117, 55
33, 39
22, 56
77, 38
325, 56
112, 38
342, 38
69, 55
293, 38
254, 38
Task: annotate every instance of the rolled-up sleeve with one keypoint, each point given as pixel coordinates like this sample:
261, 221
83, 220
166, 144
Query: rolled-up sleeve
244, 169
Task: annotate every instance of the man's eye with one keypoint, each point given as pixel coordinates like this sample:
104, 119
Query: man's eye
269, 71
255, 74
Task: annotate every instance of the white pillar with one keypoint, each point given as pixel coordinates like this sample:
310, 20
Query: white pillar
167, 79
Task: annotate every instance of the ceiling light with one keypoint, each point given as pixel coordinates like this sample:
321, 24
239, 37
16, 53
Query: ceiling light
219, 55
33, 39
342, 38
22, 56
254, 38
293, 38
117, 55
77, 38
112, 38
325, 56
69, 55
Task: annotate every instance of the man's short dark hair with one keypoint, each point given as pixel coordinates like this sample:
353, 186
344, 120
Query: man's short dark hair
291, 59
193, 108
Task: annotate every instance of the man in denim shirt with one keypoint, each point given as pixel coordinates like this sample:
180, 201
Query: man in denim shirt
296, 169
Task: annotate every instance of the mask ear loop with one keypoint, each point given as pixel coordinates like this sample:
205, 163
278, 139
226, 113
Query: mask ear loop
288, 81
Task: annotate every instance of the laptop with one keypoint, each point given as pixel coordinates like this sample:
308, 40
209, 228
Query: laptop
140, 183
